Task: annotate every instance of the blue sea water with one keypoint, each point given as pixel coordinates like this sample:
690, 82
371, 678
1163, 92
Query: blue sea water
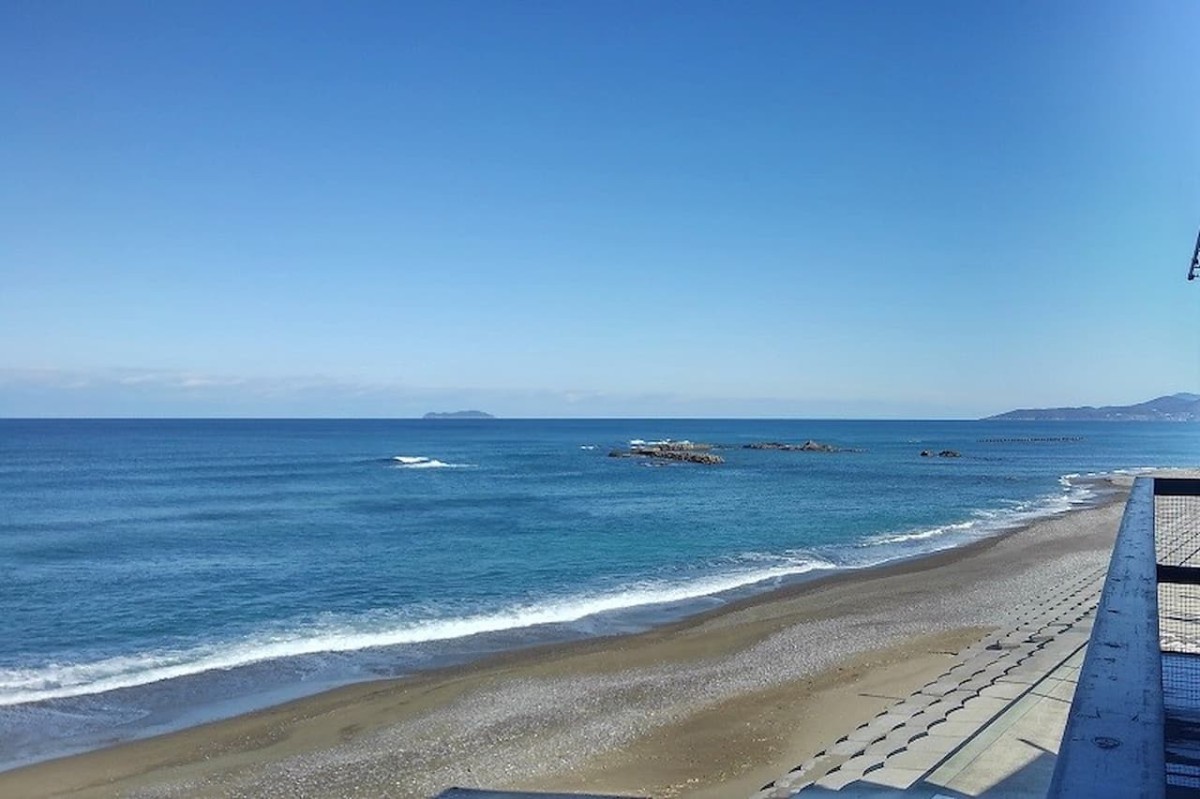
161, 573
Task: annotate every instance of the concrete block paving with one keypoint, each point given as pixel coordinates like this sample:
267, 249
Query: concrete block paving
903, 745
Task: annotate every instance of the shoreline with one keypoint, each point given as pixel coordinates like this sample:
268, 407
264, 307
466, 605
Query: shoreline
335, 735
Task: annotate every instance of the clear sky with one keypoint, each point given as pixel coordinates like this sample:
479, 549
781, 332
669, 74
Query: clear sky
596, 208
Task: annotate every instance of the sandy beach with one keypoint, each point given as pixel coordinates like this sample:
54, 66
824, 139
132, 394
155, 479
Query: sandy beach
712, 707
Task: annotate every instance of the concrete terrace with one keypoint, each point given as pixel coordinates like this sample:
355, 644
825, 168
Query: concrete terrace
990, 726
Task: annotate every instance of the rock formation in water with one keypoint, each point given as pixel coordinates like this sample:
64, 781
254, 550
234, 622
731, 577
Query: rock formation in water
685, 451
807, 446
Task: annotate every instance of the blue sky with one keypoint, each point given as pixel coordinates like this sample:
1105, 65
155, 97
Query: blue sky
596, 209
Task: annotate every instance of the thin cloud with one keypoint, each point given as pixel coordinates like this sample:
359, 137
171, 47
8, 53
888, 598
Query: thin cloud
164, 392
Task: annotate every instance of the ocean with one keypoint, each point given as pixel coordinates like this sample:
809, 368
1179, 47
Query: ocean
161, 573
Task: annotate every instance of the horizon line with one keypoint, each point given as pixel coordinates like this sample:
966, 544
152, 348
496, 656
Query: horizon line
542, 418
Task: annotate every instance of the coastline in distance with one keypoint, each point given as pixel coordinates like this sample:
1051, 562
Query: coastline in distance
1181, 407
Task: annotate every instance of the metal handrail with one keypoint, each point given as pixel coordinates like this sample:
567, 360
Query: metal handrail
1113, 745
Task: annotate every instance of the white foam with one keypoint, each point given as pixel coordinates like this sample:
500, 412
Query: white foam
434, 464
419, 462
56, 681
921, 535
1135, 472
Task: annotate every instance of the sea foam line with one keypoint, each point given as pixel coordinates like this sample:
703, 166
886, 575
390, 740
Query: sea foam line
992, 521
59, 681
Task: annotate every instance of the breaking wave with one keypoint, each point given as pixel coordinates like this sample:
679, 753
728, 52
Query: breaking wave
57, 681
419, 462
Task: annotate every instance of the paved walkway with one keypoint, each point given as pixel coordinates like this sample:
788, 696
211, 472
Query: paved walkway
988, 727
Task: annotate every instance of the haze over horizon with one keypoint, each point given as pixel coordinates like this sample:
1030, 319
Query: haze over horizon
540, 210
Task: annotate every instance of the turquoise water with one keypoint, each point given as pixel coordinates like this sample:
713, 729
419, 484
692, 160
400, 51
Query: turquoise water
162, 573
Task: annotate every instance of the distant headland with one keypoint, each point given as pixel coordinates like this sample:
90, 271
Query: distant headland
1171, 408
458, 415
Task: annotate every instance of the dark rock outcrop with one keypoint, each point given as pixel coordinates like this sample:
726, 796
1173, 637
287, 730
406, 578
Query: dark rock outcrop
685, 455
683, 451
807, 446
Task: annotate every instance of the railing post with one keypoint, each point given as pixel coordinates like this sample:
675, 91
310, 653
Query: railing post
1113, 745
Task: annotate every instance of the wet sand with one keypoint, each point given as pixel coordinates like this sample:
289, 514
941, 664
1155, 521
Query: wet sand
715, 706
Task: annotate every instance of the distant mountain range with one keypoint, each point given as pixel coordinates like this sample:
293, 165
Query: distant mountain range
458, 415
1172, 408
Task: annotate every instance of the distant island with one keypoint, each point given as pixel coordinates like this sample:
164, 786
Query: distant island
1172, 408
458, 415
